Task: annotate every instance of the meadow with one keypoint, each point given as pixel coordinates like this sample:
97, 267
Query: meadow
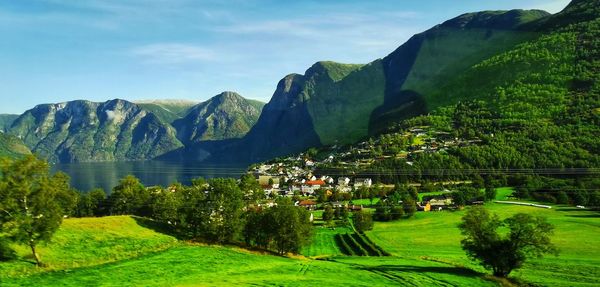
434, 236
128, 251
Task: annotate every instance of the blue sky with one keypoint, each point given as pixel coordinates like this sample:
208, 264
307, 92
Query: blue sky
58, 50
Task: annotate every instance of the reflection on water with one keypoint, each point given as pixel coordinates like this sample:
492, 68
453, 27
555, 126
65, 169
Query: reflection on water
105, 175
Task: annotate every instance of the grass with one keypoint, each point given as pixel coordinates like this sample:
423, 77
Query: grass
124, 251
323, 243
90, 241
435, 236
224, 266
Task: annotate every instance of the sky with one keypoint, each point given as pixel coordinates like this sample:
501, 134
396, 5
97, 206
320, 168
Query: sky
59, 50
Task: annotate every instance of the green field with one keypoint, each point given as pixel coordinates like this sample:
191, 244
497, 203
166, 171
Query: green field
323, 243
120, 251
435, 236
126, 251
90, 241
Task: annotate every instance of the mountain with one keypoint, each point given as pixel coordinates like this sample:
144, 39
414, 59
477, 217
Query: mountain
167, 110
533, 106
224, 116
335, 103
80, 131
11, 146
6, 121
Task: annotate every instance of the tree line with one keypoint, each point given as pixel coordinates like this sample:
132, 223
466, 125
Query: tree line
33, 203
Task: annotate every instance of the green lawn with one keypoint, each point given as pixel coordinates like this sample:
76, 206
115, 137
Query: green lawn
224, 266
123, 251
90, 241
323, 243
435, 236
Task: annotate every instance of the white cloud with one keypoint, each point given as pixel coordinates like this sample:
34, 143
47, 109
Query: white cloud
173, 53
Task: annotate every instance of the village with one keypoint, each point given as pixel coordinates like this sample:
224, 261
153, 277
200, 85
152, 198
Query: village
304, 177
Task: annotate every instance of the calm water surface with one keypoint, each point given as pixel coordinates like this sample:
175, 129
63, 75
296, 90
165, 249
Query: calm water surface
105, 175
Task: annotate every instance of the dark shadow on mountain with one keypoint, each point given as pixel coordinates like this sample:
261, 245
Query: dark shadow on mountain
206, 151
406, 104
396, 101
284, 127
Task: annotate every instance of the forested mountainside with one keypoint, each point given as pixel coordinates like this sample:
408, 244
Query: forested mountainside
167, 110
117, 130
86, 131
533, 108
224, 116
11, 146
336, 103
6, 121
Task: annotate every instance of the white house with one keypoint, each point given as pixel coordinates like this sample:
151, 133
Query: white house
358, 182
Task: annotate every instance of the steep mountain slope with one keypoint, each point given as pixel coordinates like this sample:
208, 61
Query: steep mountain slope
6, 121
336, 103
535, 106
167, 110
11, 146
432, 58
224, 116
85, 131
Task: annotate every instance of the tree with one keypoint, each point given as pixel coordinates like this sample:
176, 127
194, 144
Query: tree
528, 236
91, 203
409, 206
222, 215
128, 197
344, 215
32, 201
328, 214
490, 193
363, 221
251, 188
290, 227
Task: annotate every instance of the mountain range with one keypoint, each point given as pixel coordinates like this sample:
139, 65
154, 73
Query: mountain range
467, 58
119, 130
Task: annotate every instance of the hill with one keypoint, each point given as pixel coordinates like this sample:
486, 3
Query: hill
82, 242
81, 131
120, 251
11, 146
434, 236
335, 103
167, 110
6, 121
224, 116
127, 251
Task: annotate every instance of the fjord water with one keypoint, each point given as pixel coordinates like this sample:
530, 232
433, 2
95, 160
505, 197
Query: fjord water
105, 175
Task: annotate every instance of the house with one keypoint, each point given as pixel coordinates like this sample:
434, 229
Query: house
354, 207
343, 181
338, 204
308, 204
440, 203
315, 184
264, 180
358, 182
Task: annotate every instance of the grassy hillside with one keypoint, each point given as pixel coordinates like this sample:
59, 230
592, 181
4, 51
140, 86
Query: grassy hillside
167, 111
435, 236
6, 121
11, 146
121, 251
224, 266
88, 242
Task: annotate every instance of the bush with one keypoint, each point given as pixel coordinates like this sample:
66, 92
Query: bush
6, 253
